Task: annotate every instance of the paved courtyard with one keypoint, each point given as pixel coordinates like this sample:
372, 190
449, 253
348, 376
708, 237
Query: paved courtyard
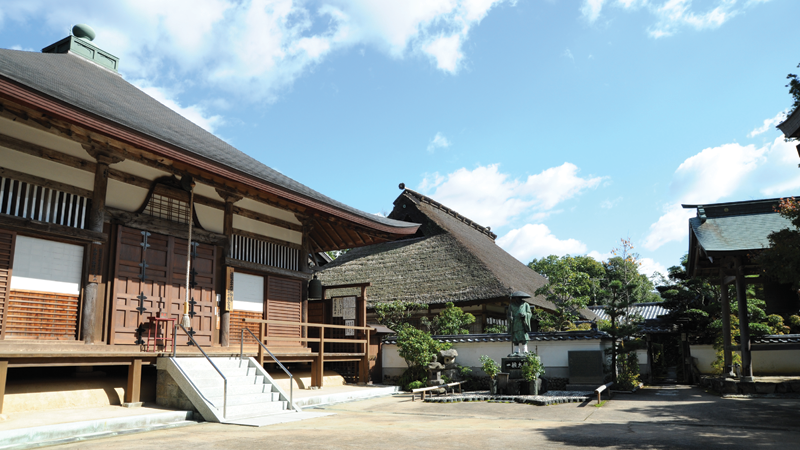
659, 418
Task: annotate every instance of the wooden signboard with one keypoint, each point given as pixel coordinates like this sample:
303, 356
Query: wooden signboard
337, 307
229, 289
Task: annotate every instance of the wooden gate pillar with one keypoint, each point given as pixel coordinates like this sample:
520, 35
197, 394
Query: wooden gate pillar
726, 330
744, 323
94, 222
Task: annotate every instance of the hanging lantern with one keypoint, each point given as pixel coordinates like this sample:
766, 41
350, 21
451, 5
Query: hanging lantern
314, 289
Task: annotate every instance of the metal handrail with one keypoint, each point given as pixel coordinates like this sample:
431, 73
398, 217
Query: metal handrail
225, 379
291, 377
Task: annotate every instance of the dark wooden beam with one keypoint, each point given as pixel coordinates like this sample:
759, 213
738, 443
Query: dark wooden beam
267, 239
163, 226
268, 269
44, 182
21, 225
266, 219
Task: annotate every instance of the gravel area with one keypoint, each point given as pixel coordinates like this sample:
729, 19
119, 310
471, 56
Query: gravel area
550, 398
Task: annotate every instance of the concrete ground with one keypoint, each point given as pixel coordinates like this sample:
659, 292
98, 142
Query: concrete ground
657, 418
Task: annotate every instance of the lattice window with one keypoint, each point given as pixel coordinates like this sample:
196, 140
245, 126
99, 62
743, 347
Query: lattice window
29, 201
166, 207
258, 251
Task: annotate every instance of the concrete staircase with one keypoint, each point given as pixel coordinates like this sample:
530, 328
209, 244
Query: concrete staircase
252, 393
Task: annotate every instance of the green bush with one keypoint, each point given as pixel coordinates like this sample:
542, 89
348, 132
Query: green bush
496, 328
413, 375
416, 385
628, 371
532, 368
417, 347
489, 366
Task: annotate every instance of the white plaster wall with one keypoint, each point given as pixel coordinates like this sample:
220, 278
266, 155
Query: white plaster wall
211, 219
32, 165
265, 229
45, 139
124, 196
139, 169
765, 362
206, 191
271, 211
47, 266
705, 355
555, 356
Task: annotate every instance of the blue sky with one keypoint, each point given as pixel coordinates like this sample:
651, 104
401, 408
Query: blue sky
563, 125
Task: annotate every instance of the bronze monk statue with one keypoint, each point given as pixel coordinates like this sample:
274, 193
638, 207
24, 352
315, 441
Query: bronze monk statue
519, 321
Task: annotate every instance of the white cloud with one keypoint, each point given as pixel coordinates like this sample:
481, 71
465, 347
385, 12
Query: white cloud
257, 48
715, 172
492, 198
672, 15
591, 9
768, 124
608, 204
730, 172
195, 113
535, 241
599, 257
438, 141
673, 225
569, 55
649, 266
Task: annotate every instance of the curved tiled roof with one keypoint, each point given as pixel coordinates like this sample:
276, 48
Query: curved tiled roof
539, 336
647, 311
84, 85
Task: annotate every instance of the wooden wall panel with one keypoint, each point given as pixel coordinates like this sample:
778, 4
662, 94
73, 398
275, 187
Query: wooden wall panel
284, 302
41, 315
7, 240
237, 324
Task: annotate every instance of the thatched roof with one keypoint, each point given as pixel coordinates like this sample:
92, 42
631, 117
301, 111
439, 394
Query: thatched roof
452, 259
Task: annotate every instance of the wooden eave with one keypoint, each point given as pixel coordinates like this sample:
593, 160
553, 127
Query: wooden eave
52, 111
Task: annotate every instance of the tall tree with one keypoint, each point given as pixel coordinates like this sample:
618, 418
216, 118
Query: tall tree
625, 282
569, 286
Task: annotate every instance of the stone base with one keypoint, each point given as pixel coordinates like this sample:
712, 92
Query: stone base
133, 405
727, 386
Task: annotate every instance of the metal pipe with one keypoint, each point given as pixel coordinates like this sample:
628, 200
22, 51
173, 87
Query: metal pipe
291, 377
224, 378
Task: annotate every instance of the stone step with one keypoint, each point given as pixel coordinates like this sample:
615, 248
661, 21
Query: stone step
236, 389
246, 399
253, 410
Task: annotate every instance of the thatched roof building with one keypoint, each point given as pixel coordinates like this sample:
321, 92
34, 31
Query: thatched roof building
450, 259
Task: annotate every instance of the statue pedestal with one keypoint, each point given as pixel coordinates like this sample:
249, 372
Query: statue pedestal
513, 366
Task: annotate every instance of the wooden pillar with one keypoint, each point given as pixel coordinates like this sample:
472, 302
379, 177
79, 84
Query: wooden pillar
321, 358
94, 222
727, 370
3, 379
362, 322
133, 392
744, 323
227, 229
260, 347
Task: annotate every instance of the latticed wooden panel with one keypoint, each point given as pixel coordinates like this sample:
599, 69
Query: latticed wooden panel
258, 251
41, 315
237, 324
6, 263
30, 201
284, 303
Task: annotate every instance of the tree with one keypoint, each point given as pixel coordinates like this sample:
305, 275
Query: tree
451, 320
781, 261
397, 314
620, 296
794, 90
569, 287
